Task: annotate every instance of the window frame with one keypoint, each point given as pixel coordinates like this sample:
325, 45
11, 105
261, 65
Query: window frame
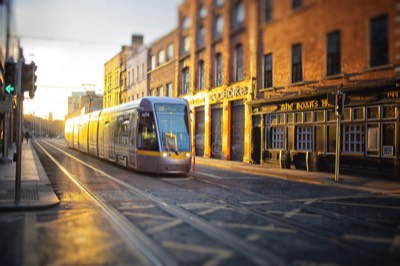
333, 53
297, 63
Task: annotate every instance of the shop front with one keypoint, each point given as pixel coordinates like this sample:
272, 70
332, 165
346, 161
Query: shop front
219, 122
301, 132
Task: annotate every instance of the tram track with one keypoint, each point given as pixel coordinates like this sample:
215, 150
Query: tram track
237, 244
255, 254
312, 231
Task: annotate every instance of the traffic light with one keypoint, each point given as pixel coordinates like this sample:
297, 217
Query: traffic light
28, 79
339, 106
9, 79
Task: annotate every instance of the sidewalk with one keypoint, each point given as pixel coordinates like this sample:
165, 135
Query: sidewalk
374, 185
36, 189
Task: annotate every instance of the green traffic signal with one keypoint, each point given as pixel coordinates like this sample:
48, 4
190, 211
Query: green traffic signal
10, 89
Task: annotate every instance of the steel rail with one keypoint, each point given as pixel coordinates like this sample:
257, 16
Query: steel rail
257, 255
132, 235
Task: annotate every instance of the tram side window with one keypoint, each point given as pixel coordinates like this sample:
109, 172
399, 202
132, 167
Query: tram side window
147, 135
121, 136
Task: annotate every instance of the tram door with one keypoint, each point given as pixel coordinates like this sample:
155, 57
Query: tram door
216, 130
132, 140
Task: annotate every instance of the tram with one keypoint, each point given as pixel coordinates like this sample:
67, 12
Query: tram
150, 135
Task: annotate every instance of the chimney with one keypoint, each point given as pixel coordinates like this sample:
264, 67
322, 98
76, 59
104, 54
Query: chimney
137, 40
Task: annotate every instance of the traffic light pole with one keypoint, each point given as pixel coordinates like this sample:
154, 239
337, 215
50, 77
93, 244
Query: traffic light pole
337, 158
20, 102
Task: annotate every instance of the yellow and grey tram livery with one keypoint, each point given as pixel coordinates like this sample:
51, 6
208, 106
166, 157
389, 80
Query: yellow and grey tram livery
151, 134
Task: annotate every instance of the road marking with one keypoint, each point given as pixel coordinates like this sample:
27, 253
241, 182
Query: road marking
135, 207
266, 228
151, 216
219, 254
209, 207
395, 248
253, 237
165, 226
371, 239
363, 205
217, 208
257, 202
291, 214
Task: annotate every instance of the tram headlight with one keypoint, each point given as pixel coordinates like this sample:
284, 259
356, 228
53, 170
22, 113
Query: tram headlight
165, 155
187, 155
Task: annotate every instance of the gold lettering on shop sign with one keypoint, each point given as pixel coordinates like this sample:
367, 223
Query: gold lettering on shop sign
228, 93
304, 105
393, 94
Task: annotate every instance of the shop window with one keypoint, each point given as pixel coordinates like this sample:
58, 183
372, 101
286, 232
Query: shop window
277, 138
330, 115
353, 139
346, 114
319, 116
307, 117
304, 138
358, 113
298, 117
388, 139
372, 139
379, 47
388, 112
372, 112
331, 138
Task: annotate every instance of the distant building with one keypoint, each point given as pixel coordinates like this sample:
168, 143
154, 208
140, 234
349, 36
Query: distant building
137, 65
115, 75
162, 76
83, 103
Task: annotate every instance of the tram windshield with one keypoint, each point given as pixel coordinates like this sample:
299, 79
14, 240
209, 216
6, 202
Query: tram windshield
173, 127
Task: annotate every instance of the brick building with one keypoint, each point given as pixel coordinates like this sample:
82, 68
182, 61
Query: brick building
313, 48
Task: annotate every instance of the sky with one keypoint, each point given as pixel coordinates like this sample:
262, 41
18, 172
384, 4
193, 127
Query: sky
70, 41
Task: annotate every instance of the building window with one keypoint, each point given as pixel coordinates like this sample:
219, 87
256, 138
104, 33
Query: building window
143, 72
160, 91
379, 41
277, 138
137, 71
239, 15
239, 63
201, 75
296, 4
153, 63
353, 138
161, 57
333, 54
219, 3
268, 10
186, 23
219, 26
388, 139
202, 12
268, 71
297, 74
201, 36
170, 52
185, 44
218, 70
133, 76
304, 138
185, 80
169, 90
